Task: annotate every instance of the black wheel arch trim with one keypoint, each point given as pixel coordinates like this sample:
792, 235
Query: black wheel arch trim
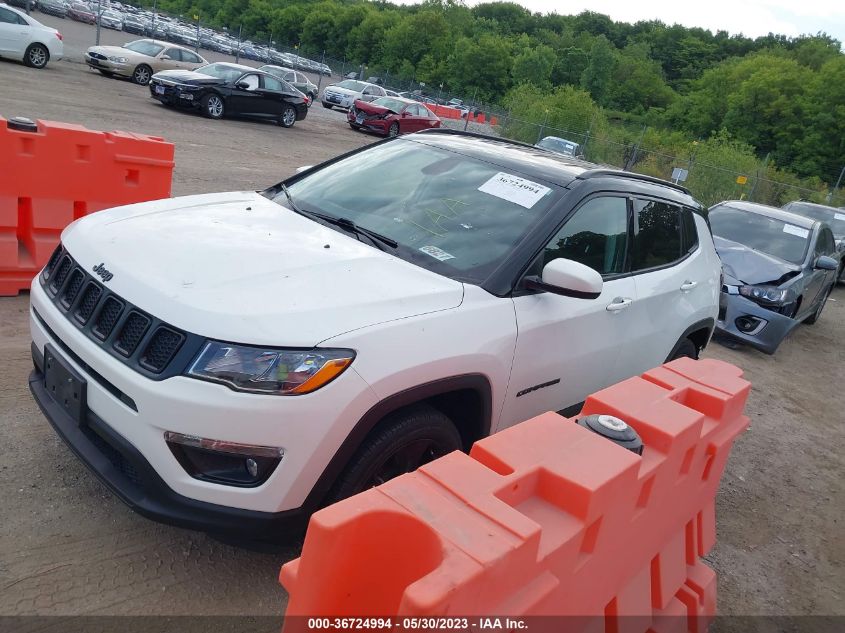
473, 382
709, 324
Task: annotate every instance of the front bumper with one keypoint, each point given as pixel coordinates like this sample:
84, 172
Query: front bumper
123, 69
174, 95
125, 471
770, 330
338, 100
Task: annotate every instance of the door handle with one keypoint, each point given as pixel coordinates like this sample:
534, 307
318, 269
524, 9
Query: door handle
688, 285
619, 304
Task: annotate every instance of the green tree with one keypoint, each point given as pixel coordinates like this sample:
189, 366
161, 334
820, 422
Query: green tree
597, 75
534, 65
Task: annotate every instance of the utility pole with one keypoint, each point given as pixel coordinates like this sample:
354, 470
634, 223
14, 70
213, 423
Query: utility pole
757, 179
320, 78
238, 53
155, 15
98, 22
197, 45
543, 127
471, 108
633, 160
836, 186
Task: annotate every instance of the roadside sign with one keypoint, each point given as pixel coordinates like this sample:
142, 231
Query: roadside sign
741, 180
679, 175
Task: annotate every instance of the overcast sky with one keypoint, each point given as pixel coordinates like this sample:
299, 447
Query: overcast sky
750, 17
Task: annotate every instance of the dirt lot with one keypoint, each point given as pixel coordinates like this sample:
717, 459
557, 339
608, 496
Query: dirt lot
67, 546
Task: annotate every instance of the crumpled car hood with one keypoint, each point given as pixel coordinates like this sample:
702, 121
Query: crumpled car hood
749, 266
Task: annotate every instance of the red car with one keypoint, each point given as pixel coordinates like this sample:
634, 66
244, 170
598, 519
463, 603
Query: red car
391, 116
81, 13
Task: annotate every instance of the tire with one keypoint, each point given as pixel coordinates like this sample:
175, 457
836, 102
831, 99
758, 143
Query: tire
288, 116
811, 320
36, 56
213, 106
327, 105
394, 129
403, 441
684, 349
141, 75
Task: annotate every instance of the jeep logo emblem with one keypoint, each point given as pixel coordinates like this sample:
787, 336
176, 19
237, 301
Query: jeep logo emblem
100, 269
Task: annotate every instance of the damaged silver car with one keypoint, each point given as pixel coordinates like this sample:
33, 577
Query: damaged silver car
778, 269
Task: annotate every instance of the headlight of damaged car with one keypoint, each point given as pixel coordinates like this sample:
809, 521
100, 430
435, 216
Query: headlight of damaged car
282, 372
766, 294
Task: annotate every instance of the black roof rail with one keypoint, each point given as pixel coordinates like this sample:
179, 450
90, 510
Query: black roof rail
618, 173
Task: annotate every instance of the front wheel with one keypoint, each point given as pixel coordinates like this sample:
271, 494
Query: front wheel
818, 313
394, 129
684, 349
401, 443
288, 117
141, 75
327, 105
212, 106
36, 56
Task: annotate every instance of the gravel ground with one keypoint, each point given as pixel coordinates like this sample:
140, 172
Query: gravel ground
68, 547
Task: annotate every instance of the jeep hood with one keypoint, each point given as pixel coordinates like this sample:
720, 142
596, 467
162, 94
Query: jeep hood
752, 267
241, 268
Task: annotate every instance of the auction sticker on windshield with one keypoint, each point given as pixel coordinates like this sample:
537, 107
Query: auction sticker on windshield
436, 253
795, 230
514, 189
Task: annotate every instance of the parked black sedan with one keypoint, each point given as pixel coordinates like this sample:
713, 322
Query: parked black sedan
778, 270
224, 89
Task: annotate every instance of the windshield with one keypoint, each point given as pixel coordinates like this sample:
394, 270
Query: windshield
834, 217
351, 84
221, 71
450, 213
144, 47
767, 235
111, 14
391, 104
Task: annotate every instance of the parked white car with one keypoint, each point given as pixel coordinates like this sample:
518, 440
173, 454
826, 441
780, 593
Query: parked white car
25, 38
232, 361
343, 94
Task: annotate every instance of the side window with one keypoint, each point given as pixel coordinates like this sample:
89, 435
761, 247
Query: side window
825, 244
9, 17
188, 56
250, 80
414, 110
290, 77
174, 54
690, 233
271, 83
596, 236
301, 79
368, 91
657, 234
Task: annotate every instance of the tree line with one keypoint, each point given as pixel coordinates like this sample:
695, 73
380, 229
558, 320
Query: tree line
783, 96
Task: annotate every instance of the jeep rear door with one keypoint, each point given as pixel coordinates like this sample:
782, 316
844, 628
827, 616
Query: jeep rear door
567, 348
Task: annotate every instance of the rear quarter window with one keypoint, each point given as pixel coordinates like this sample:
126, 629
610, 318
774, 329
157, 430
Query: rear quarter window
657, 234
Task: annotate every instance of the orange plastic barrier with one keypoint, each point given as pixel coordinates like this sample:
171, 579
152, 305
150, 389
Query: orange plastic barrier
544, 518
61, 172
445, 112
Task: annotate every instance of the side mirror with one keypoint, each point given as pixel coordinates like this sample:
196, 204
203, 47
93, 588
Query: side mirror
299, 170
242, 85
568, 278
826, 263
405, 113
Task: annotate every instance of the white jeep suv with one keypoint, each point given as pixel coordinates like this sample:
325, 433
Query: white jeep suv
231, 362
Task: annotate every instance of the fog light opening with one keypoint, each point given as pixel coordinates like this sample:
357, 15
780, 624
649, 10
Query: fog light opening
749, 324
227, 463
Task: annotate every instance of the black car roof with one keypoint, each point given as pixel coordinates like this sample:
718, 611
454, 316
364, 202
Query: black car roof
770, 212
541, 163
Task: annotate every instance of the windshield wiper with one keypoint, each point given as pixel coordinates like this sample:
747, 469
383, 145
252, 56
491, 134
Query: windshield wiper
345, 223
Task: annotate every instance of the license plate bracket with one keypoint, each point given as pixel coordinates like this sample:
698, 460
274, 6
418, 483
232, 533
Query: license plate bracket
65, 385
359, 119
159, 90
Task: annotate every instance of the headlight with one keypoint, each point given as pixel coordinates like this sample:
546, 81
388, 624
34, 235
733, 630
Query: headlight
768, 294
119, 60
280, 372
